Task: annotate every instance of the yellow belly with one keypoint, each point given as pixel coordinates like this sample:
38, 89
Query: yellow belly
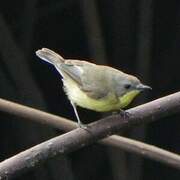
109, 103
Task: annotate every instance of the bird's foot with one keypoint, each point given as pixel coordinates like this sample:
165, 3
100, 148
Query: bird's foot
81, 125
124, 113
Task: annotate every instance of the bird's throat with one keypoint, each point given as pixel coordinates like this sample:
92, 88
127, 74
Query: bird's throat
127, 98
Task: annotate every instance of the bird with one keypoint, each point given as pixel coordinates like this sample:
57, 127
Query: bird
96, 87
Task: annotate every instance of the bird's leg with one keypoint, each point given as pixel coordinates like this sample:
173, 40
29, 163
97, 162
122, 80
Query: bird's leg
80, 124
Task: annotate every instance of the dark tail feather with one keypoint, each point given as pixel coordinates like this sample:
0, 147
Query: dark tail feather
50, 56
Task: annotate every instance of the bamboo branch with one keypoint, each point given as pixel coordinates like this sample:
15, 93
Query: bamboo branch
79, 138
54, 121
28, 113
145, 150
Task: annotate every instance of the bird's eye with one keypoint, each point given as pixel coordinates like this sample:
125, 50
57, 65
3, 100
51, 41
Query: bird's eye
127, 86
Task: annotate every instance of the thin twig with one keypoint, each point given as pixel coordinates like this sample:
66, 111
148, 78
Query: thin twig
54, 121
143, 60
143, 149
79, 138
35, 115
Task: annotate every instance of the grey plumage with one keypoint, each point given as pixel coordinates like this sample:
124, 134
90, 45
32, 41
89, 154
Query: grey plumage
92, 86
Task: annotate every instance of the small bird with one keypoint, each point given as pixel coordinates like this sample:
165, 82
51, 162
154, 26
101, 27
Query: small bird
95, 87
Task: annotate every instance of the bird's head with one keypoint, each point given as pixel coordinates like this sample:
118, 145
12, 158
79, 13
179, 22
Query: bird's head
128, 87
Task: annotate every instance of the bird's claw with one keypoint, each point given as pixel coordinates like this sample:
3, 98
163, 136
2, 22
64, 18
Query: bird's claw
82, 126
124, 114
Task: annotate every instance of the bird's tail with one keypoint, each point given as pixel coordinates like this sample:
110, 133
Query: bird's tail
50, 56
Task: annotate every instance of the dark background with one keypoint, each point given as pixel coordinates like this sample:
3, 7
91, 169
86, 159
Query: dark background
136, 36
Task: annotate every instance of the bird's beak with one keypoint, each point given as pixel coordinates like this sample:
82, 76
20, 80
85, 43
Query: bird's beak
143, 87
